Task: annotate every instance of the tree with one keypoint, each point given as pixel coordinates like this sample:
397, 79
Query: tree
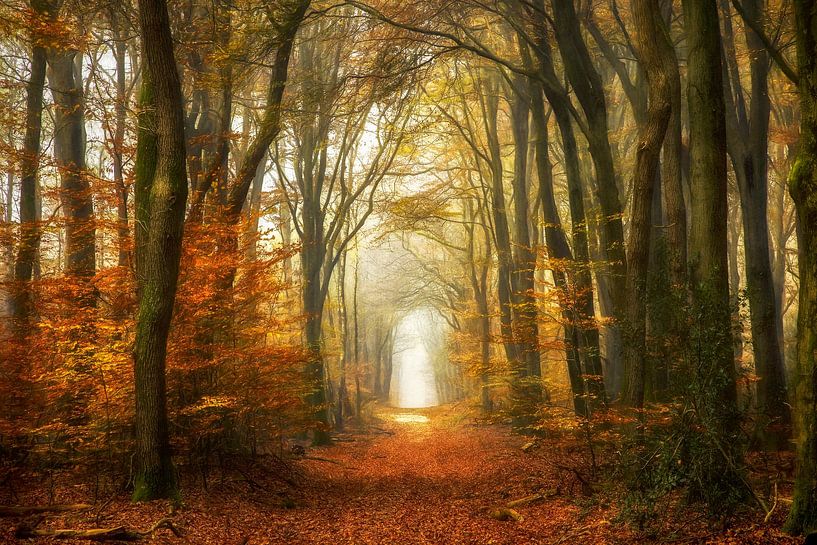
747, 139
333, 195
76, 199
161, 195
29, 229
803, 188
713, 385
654, 48
587, 85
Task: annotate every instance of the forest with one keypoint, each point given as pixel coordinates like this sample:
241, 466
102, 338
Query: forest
388, 272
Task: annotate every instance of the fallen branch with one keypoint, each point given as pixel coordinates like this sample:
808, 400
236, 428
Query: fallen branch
774, 505
524, 501
24, 511
117, 533
505, 514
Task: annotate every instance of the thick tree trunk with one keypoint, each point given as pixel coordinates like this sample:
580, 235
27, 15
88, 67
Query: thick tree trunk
161, 197
652, 46
76, 199
803, 188
713, 370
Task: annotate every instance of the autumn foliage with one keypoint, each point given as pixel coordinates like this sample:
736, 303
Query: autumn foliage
234, 361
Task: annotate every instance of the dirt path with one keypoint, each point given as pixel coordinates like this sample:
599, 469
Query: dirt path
420, 477
435, 480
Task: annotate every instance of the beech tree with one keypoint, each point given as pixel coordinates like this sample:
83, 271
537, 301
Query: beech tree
803, 188
161, 196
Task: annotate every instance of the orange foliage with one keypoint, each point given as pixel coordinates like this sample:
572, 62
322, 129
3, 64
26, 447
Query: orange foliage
234, 363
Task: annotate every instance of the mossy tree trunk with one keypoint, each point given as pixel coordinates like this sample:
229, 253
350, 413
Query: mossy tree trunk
803, 189
161, 195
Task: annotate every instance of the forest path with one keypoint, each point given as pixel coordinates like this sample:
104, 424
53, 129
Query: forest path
428, 476
416, 476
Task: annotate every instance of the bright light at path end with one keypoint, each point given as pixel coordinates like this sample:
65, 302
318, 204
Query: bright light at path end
413, 381
410, 418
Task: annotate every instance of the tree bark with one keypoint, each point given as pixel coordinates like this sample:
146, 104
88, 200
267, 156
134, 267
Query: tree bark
713, 367
803, 188
502, 237
524, 256
559, 254
589, 90
747, 143
580, 294
672, 179
653, 46
161, 197
76, 199
28, 248
122, 231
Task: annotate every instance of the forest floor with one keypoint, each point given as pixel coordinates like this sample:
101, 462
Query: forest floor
420, 476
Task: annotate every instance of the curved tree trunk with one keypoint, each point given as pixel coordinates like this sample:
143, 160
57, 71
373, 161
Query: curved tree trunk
589, 90
161, 195
652, 46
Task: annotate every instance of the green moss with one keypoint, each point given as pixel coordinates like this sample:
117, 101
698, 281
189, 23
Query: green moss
155, 484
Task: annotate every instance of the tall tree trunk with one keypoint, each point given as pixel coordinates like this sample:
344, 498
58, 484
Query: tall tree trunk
581, 292
559, 253
653, 46
803, 188
747, 140
122, 231
28, 248
161, 195
356, 337
478, 275
589, 90
524, 267
76, 199
671, 173
713, 372
502, 235
343, 394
